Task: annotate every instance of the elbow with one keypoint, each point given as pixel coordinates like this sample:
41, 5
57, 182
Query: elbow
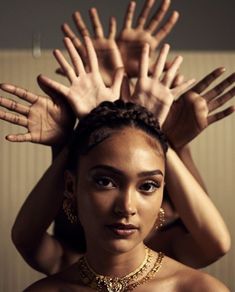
17, 238
221, 247
224, 245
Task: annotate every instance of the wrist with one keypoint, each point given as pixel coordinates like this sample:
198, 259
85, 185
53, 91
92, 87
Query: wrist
56, 149
179, 146
182, 149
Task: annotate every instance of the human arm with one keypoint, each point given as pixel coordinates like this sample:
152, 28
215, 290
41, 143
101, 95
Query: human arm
49, 121
41, 250
203, 241
186, 157
185, 154
192, 113
109, 57
132, 38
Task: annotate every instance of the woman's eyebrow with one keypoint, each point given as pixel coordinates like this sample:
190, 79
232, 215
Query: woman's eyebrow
150, 173
119, 172
108, 168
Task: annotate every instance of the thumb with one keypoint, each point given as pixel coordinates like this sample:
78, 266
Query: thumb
183, 88
55, 96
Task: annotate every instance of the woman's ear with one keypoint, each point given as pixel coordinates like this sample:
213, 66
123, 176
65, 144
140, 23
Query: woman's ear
70, 184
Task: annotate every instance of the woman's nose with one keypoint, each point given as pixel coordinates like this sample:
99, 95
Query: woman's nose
125, 204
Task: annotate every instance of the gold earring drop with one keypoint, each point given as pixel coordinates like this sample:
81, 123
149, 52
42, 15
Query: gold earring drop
68, 210
161, 219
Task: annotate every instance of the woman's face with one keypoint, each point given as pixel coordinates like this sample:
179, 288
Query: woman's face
119, 188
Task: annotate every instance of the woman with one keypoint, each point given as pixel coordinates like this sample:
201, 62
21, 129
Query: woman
54, 253
116, 174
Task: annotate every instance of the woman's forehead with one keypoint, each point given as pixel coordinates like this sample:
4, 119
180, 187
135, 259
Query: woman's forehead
130, 134
126, 147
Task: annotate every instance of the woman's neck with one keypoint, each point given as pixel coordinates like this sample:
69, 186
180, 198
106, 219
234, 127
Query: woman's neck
104, 262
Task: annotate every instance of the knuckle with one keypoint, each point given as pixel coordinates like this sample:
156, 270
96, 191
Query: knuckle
16, 119
13, 105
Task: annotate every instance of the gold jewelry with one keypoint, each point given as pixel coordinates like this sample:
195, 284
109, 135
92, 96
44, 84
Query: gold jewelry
115, 284
161, 219
67, 207
150, 275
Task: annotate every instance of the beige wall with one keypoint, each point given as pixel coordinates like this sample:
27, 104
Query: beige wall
21, 165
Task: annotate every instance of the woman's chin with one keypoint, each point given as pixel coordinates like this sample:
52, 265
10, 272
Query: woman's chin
119, 246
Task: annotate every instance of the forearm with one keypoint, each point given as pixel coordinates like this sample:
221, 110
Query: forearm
185, 155
195, 208
55, 151
42, 205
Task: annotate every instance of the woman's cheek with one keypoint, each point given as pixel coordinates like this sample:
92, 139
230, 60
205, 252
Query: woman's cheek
149, 211
100, 203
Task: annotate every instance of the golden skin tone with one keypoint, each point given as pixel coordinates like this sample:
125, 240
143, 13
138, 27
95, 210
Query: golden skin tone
119, 183
122, 191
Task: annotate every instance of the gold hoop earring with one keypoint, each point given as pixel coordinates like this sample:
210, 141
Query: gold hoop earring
69, 211
160, 219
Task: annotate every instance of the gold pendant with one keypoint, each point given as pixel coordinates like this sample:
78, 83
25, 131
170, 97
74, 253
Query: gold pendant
114, 286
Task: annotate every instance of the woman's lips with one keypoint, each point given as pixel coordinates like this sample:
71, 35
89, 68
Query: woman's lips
122, 230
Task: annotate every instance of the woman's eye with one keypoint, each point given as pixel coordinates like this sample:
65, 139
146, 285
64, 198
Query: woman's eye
150, 187
104, 182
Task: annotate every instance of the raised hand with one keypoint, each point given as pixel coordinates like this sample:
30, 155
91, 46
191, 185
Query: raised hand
87, 89
107, 51
48, 121
193, 111
157, 92
132, 38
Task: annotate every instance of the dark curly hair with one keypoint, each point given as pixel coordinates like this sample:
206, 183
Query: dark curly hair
101, 122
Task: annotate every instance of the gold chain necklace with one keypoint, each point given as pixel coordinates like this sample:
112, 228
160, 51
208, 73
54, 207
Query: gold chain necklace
115, 284
150, 275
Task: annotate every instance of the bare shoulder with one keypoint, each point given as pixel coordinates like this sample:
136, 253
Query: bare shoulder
52, 284
47, 285
179, 277
64, 281
204, 282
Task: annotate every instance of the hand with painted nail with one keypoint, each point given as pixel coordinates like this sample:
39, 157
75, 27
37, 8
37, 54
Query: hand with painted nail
87, 88
107, 51
132, 38
157, 92
193, 112
48, 121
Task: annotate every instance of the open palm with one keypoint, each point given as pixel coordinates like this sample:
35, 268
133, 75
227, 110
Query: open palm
109, 57
157, 92
131, 39
193, 111
87, 89
48, 121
